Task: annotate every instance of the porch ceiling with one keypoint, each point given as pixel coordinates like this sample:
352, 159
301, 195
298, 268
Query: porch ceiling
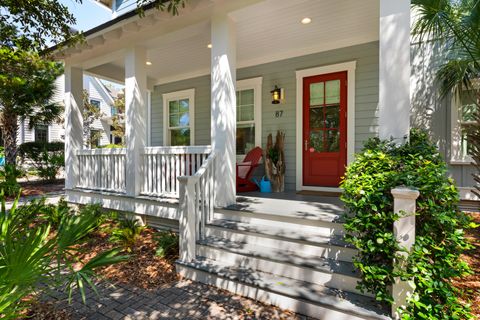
268, 30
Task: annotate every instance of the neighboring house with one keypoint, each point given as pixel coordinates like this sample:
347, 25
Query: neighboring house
198, 96
99, 94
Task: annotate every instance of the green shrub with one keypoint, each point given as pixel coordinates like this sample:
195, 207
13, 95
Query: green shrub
8, 179
33, 259
127, 232
47, 158
168, 244
439, 241
112, 146
54, 214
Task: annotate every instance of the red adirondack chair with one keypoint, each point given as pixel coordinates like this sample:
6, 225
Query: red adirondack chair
246, 169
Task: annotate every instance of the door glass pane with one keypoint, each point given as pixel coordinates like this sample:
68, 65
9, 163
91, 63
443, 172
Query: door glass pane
332, 89
316, 117
316, 140
180, 137
245, 138
316, 93
333, 141
332, 117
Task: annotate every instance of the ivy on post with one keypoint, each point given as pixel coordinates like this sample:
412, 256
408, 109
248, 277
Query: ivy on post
404, 204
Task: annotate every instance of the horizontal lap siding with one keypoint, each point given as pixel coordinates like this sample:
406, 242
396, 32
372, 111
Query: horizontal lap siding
431, 112
282, 73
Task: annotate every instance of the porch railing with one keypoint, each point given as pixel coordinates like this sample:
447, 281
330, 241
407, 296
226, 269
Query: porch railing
163, 165
102, 169
196, 206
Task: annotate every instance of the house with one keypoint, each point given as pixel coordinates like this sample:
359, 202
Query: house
198, 94
99, 94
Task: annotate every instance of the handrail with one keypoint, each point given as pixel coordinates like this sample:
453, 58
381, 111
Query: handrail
196, 205
101, 151
178, 150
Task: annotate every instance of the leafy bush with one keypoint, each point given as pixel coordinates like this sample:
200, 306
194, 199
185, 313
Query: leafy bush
32, 258
47, 158
439, 241
54, 214
127, 232
168, 244
112, 146
8, 179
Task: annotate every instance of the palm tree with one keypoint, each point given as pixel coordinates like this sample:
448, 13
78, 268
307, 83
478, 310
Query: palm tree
455, 24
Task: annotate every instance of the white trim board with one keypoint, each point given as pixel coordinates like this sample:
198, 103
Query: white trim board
177, 95
350, 68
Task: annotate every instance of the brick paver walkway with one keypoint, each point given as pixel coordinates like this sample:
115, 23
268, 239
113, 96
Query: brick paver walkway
179, 300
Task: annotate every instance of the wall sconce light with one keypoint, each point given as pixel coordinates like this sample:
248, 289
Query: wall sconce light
277, 95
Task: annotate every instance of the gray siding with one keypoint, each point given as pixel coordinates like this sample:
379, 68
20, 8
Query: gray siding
432, 113
282, 73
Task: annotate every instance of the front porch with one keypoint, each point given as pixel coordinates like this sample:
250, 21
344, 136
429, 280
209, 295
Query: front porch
197, 96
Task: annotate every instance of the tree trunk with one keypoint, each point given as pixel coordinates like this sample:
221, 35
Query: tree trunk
10, 129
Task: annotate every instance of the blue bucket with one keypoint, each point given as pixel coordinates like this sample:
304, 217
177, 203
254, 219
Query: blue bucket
264, 185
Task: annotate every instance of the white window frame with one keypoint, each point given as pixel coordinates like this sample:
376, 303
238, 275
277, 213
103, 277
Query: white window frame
456, 156
178, 95
256, 85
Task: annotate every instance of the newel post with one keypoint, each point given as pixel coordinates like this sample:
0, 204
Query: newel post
404, 203
187, 222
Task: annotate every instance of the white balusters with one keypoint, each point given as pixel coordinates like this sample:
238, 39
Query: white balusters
163, 165
102, 170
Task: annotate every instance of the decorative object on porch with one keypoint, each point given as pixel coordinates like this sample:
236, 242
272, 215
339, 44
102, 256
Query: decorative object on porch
246, 169
264, 185
275, 161
277, 95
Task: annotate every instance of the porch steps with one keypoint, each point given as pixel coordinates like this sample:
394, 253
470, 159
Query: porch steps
303, 297
298, 261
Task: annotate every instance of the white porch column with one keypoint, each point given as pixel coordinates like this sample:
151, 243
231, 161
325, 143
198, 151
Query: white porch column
394, 96
223, 126
135, 116
73, 123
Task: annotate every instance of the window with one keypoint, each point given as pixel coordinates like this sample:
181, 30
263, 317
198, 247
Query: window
463, 111
249, 131
178, 110
41, 133
95, 103
95, 136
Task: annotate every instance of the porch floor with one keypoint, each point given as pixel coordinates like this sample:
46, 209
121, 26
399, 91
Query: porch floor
291, 204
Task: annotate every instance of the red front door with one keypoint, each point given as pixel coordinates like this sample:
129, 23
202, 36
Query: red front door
324, 129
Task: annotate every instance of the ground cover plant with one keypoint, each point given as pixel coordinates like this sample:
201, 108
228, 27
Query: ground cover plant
440, 240
38, 251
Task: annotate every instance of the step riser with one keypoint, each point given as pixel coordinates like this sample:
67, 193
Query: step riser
323, 251
331, 280
284, 302
310, 226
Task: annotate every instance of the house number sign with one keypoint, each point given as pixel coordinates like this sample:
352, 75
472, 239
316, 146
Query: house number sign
278, 113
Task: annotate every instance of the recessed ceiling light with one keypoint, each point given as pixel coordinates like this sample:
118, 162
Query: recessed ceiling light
306, 20
209, 46
148, 63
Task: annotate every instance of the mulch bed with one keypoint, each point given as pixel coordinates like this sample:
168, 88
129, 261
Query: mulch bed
144, 269
39, 187
471, 283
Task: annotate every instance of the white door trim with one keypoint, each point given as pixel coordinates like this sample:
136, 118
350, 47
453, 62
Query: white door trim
300, 74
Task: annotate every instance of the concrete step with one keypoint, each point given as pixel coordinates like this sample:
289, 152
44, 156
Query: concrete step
303, 297
327, 224
327, 272
304, 243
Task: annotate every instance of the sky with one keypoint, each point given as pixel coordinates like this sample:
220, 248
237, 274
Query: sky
88, 14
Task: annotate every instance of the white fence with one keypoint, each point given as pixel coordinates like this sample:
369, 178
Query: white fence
102, 169
163, 165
